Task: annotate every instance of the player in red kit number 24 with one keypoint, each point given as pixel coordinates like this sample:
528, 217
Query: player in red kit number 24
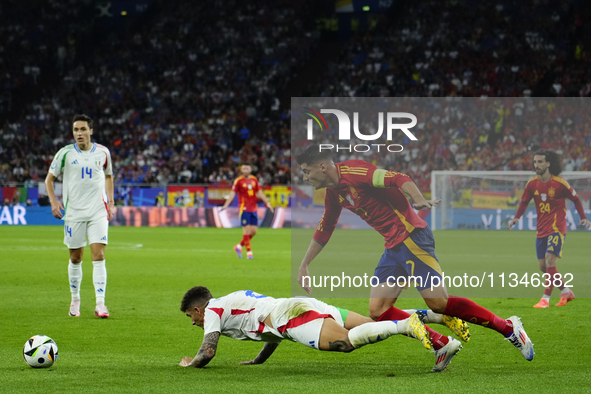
378, 197
247, 188
549, 192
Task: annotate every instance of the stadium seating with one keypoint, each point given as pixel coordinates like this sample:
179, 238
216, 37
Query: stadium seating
177, 97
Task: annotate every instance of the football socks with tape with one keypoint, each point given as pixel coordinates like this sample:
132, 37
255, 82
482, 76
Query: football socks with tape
99, 278
75, 277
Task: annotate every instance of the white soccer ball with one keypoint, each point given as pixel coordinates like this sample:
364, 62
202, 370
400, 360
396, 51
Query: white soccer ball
40, 351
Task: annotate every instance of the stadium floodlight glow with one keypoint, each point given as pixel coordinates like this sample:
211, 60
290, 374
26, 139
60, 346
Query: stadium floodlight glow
365, 8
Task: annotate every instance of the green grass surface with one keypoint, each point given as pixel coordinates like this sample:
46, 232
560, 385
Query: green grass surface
149, 269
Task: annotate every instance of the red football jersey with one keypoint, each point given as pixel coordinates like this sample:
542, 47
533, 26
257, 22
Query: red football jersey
246, 188
374, 195
550, 203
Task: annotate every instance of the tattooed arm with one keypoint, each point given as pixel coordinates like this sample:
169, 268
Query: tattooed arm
206, 352
265, 353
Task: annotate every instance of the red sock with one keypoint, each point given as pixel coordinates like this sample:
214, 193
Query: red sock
554, 274
437, 339
247, 242
243, 242
471, 312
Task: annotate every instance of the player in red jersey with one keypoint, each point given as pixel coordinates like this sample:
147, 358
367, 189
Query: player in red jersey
550, 192
248, 190
377, 196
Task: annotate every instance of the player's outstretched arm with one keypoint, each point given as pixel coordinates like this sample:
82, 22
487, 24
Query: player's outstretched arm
263, 198
313, 250
56, 207
228, 200
206, 352
265, 353
419, 201
520, 211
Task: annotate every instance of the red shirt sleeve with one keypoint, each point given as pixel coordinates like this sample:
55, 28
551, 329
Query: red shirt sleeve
332, 211
572, 195
235, 185
528, 193
383, 178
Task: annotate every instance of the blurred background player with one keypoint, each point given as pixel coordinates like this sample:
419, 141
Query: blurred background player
246, 315
87, 172
248, 190
378, 197
550, 192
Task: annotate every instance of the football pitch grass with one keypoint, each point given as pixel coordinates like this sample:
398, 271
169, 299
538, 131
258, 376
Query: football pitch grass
149, 269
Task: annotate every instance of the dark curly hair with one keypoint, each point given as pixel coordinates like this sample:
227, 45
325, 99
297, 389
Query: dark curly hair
198, 295
84, 118
553, 158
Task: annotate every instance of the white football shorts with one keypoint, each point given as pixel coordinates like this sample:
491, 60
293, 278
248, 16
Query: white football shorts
301, 319
75, 233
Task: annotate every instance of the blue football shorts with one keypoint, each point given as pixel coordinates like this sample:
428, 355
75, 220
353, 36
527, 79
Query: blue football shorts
553, 244
249, 218
413, 257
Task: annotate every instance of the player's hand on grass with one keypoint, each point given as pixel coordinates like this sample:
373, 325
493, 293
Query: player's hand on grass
303, 271
185, 362
251, 362
426, 204
513, 223
56, 210
586, 223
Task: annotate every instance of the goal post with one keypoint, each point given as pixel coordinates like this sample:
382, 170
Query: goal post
485, 200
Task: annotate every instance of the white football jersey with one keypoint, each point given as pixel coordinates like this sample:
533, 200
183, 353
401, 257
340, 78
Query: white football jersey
240, 315
84, 195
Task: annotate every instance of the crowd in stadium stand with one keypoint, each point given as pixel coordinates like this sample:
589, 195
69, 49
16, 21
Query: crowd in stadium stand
464, 48
483, 134
176, 100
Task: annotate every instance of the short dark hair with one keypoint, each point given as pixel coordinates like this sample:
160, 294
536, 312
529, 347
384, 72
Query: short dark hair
313, 155
195, 295
84, 118
553, 158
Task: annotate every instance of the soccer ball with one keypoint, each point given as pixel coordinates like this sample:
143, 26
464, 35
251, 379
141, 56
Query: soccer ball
40, 351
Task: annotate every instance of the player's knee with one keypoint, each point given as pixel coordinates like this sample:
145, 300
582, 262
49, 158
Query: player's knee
437, 305
76, 256
375, 312
344, 346
98, 256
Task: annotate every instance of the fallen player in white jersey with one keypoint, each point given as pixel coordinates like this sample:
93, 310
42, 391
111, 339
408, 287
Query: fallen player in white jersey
246, 315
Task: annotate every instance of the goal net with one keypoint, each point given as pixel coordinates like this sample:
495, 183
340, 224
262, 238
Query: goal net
485, 200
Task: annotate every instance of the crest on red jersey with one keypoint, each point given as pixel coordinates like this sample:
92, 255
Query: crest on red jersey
543, 195
551, 192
